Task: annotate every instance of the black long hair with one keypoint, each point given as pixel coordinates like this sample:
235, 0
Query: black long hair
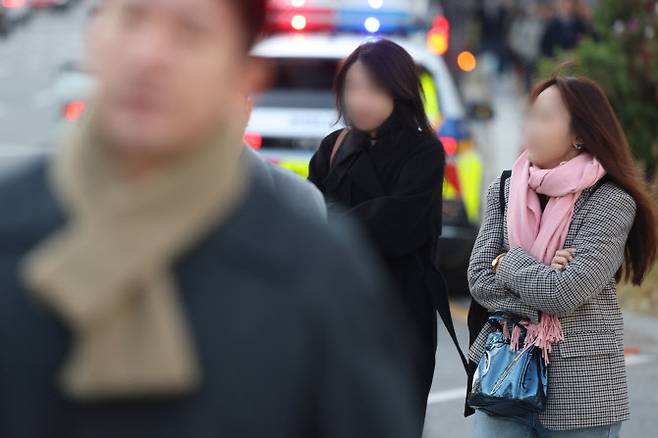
395, 71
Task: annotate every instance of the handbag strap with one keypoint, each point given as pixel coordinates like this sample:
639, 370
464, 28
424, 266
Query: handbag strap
506, 317
339, 142
443, 308
503, 178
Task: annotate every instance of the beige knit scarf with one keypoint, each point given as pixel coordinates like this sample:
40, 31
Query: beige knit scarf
108, 272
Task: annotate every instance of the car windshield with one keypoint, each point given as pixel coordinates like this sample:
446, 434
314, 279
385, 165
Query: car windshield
300, 83
308, 83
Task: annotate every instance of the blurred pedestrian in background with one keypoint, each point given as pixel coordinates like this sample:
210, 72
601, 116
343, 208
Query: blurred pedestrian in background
494, 18
386, 170
519, 33
151, 287
565, 29
573, 219
525, 35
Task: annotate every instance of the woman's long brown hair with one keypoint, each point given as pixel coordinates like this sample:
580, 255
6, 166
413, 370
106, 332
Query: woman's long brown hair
595, 123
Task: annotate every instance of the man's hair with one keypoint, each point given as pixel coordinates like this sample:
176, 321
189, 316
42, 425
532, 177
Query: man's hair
252, 15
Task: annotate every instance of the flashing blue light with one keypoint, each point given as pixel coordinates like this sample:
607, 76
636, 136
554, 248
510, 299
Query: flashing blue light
385, 21
376, 4
455, 128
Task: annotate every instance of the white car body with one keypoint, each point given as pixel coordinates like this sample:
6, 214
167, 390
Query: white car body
289, 133
299, 122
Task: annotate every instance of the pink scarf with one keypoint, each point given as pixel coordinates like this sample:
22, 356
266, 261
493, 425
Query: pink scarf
543, 234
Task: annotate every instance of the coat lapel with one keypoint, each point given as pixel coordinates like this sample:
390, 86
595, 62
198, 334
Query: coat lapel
353, 144
388, 149
581, 199
351, 160
342, 162
354, 160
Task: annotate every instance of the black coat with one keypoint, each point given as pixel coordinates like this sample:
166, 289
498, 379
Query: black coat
394, 190
296, 334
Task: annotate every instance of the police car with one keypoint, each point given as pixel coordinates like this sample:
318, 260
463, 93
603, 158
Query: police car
307, 41
307, 44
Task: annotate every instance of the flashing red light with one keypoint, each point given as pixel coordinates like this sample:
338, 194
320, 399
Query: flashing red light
438, 37
254, 140
298, 22
441, 23
73, 110
449, 144
10, 4
298, 15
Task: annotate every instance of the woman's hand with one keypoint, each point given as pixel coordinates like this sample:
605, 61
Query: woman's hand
562, 258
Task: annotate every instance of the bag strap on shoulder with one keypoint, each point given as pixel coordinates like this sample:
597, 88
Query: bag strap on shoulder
602, 181
337, 145
503, 178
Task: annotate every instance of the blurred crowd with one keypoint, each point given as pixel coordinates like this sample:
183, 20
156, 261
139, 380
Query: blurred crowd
517, 33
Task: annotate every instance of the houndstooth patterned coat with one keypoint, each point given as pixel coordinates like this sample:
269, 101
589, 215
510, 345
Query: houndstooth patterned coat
586, 375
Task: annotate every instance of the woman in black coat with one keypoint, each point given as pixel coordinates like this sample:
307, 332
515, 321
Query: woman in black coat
386, 171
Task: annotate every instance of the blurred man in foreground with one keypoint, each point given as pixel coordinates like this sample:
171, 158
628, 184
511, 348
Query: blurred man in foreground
150, 287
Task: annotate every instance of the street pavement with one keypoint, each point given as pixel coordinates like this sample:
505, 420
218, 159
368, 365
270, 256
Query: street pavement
29, 124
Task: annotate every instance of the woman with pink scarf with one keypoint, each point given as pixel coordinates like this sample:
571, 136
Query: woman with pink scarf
573, 218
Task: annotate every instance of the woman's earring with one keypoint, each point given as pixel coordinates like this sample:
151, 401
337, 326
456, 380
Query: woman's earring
579, 146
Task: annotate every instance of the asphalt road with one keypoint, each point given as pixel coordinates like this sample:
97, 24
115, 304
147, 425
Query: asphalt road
29, 123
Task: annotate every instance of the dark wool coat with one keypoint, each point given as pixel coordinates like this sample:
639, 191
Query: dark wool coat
393, 188
296, 334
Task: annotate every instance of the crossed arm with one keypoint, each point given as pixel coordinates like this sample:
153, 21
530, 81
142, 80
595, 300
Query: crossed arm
600, 246
526, 286
481, 278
